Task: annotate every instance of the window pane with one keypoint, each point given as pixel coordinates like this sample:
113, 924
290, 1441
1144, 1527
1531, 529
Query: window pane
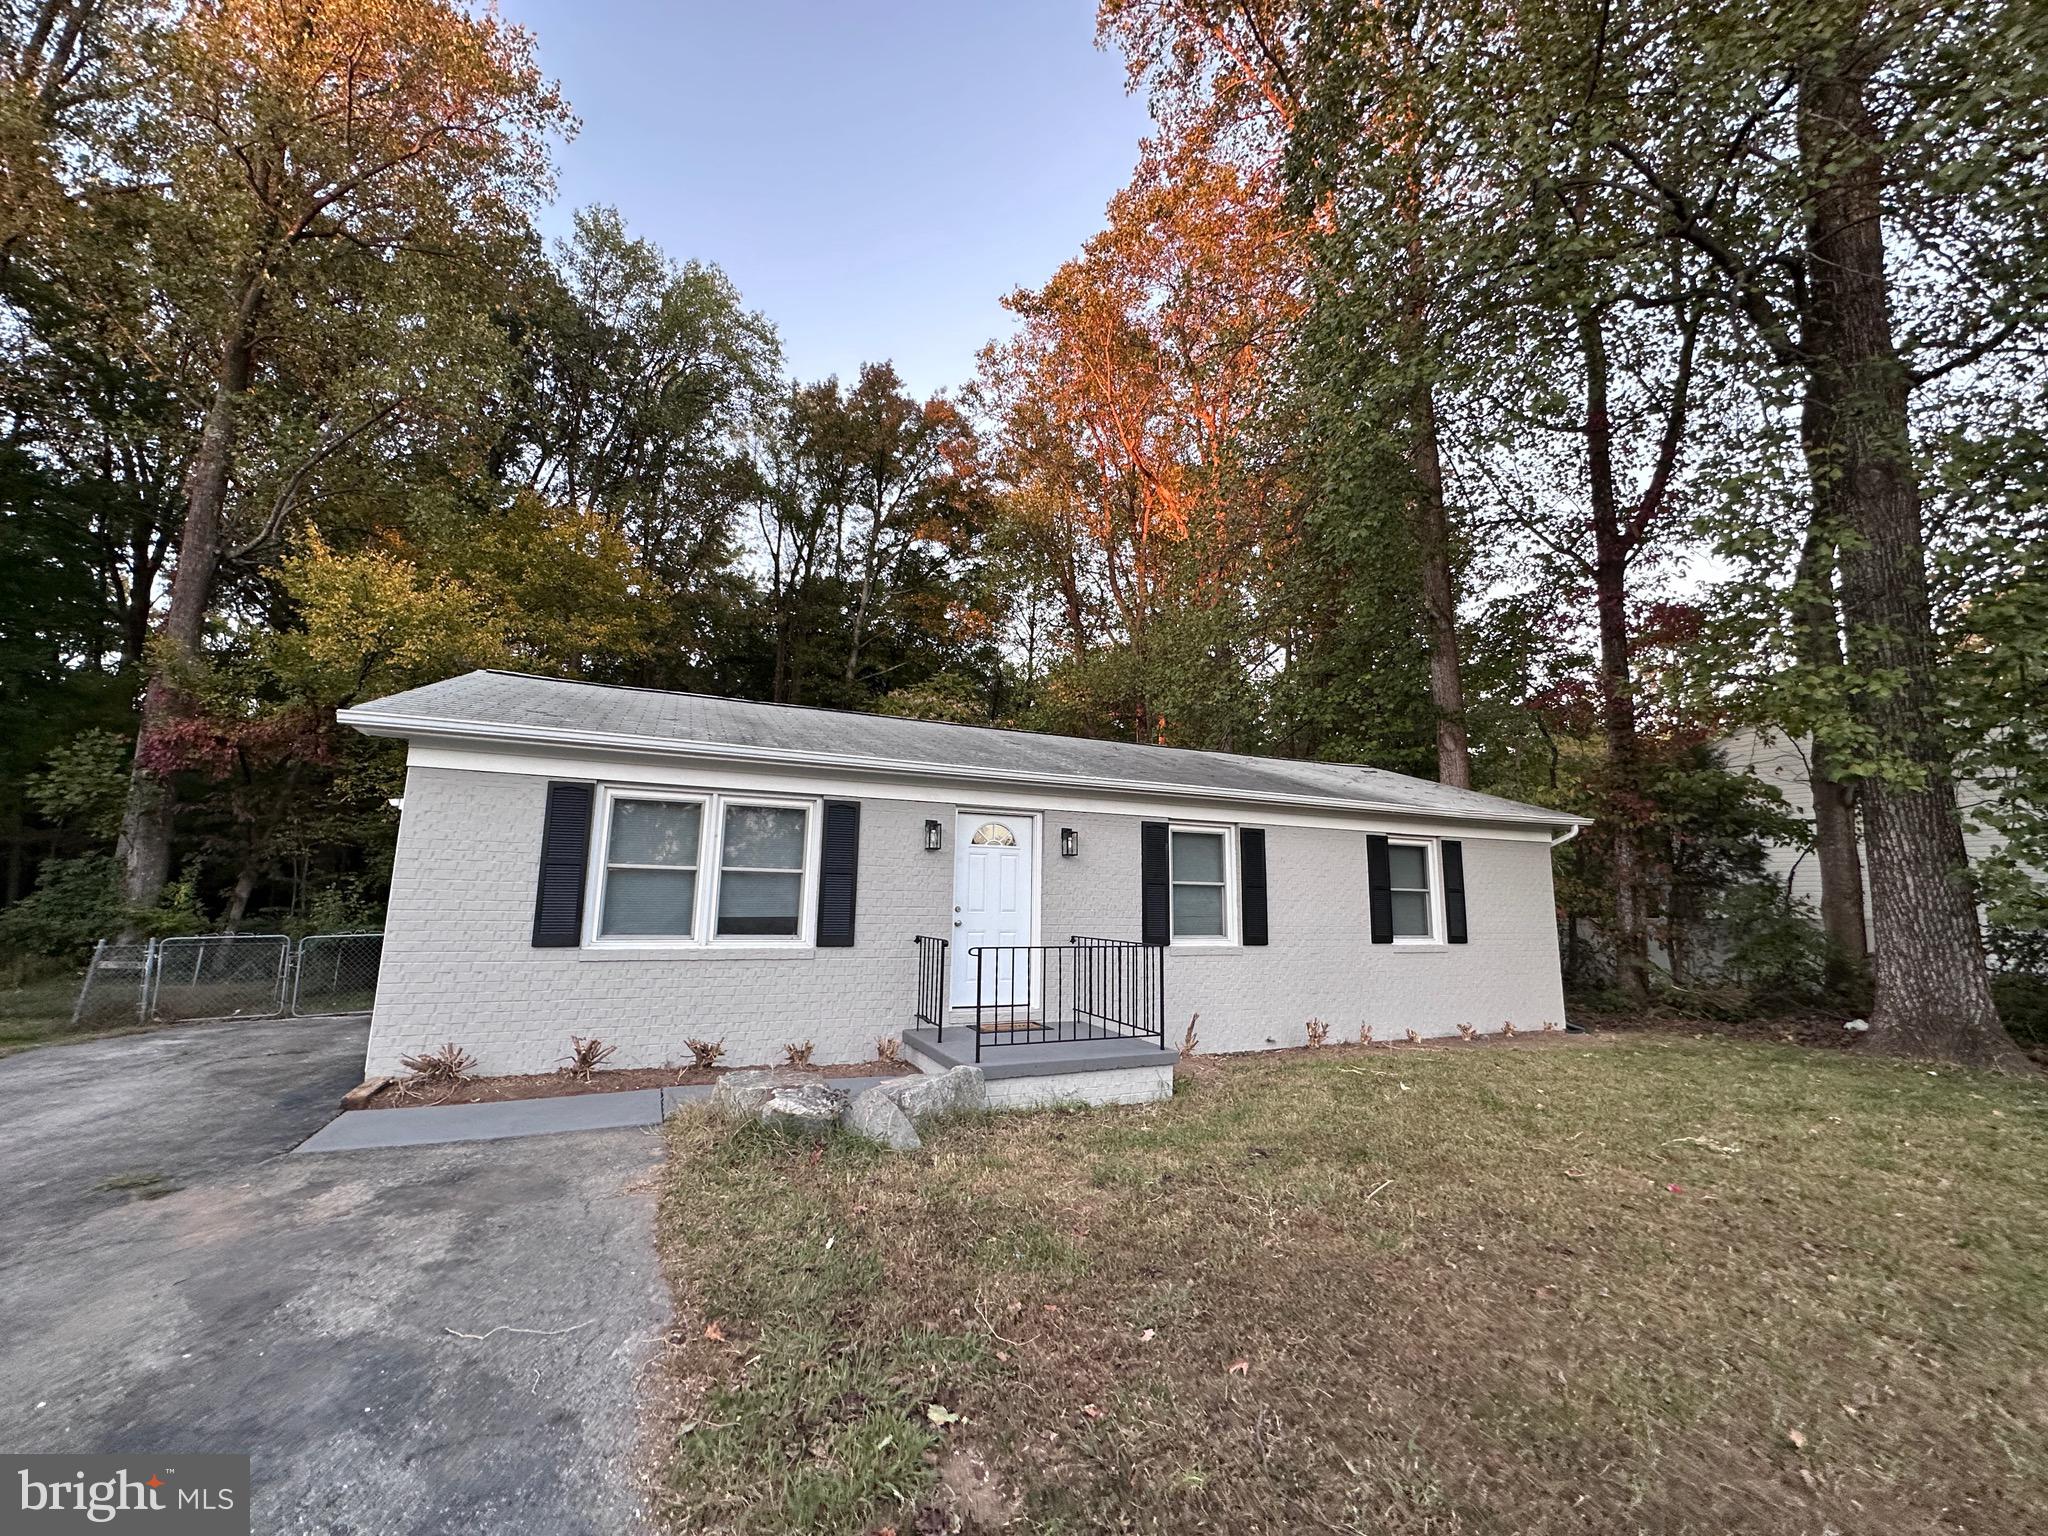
763, 837
993, 834
1411, 915
1198, 856
1407, 867
758, 904
653, 901
653, 832
1197, 911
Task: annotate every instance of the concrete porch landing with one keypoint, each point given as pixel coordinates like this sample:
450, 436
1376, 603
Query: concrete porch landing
1110, 1069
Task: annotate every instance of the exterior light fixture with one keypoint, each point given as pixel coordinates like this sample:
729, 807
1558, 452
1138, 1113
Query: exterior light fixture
1070, 842
931, 837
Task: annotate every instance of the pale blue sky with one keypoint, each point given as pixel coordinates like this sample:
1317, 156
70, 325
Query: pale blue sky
873, 174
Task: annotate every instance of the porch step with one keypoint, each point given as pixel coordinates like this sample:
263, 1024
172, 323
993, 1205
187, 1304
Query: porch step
1049, 1058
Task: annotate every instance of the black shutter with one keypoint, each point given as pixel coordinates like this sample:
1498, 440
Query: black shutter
1454, 890
838, 874
564, 860
1156, 909
1251, 882
1379, 882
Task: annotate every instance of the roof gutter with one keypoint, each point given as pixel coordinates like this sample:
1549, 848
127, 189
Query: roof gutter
375, 723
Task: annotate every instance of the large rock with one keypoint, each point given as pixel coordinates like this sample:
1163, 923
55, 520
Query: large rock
952, 1092
743, 1095
876, 1115
809, 1109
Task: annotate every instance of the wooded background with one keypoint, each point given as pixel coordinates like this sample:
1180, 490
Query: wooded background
1526, 396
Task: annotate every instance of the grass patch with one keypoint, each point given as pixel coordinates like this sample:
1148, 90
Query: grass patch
1664, 1285
38, 1012
145, 1184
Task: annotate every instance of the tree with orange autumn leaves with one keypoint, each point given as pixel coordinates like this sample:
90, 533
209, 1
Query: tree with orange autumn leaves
1147, 479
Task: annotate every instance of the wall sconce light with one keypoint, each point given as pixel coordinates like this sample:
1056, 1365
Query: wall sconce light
931, 837
1070, 842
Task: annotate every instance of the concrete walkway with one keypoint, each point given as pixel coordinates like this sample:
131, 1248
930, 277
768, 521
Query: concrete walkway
432, 1125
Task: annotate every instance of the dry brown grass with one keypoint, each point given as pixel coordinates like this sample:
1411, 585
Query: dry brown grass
1665, 1285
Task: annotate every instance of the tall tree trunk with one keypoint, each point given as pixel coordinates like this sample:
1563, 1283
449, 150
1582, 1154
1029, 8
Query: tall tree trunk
1439, 593
238, 899
144, 848
1617, 684
1933, 994
1834, 806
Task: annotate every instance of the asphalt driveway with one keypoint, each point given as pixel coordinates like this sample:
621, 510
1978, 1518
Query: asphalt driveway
172, 1282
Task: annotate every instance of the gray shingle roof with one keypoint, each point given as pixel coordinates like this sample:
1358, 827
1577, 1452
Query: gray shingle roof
513, 705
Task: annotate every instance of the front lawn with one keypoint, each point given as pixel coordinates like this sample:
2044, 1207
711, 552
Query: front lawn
1646, 1285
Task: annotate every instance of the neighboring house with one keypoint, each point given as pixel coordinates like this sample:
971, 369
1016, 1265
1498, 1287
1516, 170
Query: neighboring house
649, 867
1781, 762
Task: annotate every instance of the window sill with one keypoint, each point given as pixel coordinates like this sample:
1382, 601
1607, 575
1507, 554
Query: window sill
691, 952
1206, 947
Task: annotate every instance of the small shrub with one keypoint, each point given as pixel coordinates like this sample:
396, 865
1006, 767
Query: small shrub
1467, 1033
1318, 1033
798, 1054
1507, 1028
448, 1067
1413, 1037
1550, 1026
586, 1056
1365, 1033
704, 1054
1190, 1040
889, 1051
2023, 1004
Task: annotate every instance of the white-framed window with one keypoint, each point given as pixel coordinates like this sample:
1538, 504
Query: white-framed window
650, 867
1199, 867
1414, 891
676, 868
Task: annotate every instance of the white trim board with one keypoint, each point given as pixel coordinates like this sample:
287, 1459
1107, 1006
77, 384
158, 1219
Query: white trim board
953, 789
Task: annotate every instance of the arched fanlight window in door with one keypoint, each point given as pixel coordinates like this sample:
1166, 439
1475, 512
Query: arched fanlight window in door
993, 834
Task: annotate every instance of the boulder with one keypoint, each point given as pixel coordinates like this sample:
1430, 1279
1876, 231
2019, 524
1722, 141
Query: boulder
810, 1109
743, 1095
954, 1091
875, 1115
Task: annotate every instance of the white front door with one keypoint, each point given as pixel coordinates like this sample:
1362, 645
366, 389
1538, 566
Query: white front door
992, 906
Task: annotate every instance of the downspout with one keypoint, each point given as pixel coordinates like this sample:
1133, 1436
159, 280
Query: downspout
1558, 842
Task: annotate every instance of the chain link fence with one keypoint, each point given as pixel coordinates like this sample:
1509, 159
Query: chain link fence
116, 989
228, 975
336, 972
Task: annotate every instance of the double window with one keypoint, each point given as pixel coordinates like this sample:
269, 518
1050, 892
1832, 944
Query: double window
1199, 867
703, 869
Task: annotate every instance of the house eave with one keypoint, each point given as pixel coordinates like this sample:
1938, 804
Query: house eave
480, 733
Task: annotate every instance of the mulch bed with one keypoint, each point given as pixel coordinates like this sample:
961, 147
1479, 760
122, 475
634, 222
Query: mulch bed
553, 1085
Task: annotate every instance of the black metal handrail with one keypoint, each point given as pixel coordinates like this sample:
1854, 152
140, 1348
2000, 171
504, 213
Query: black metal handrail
931, 982
1033, 994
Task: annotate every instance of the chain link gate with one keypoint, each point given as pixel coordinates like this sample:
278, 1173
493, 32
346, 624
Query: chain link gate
336, 973
220, 976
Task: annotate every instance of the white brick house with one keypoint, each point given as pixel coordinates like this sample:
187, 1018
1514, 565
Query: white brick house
648, 867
